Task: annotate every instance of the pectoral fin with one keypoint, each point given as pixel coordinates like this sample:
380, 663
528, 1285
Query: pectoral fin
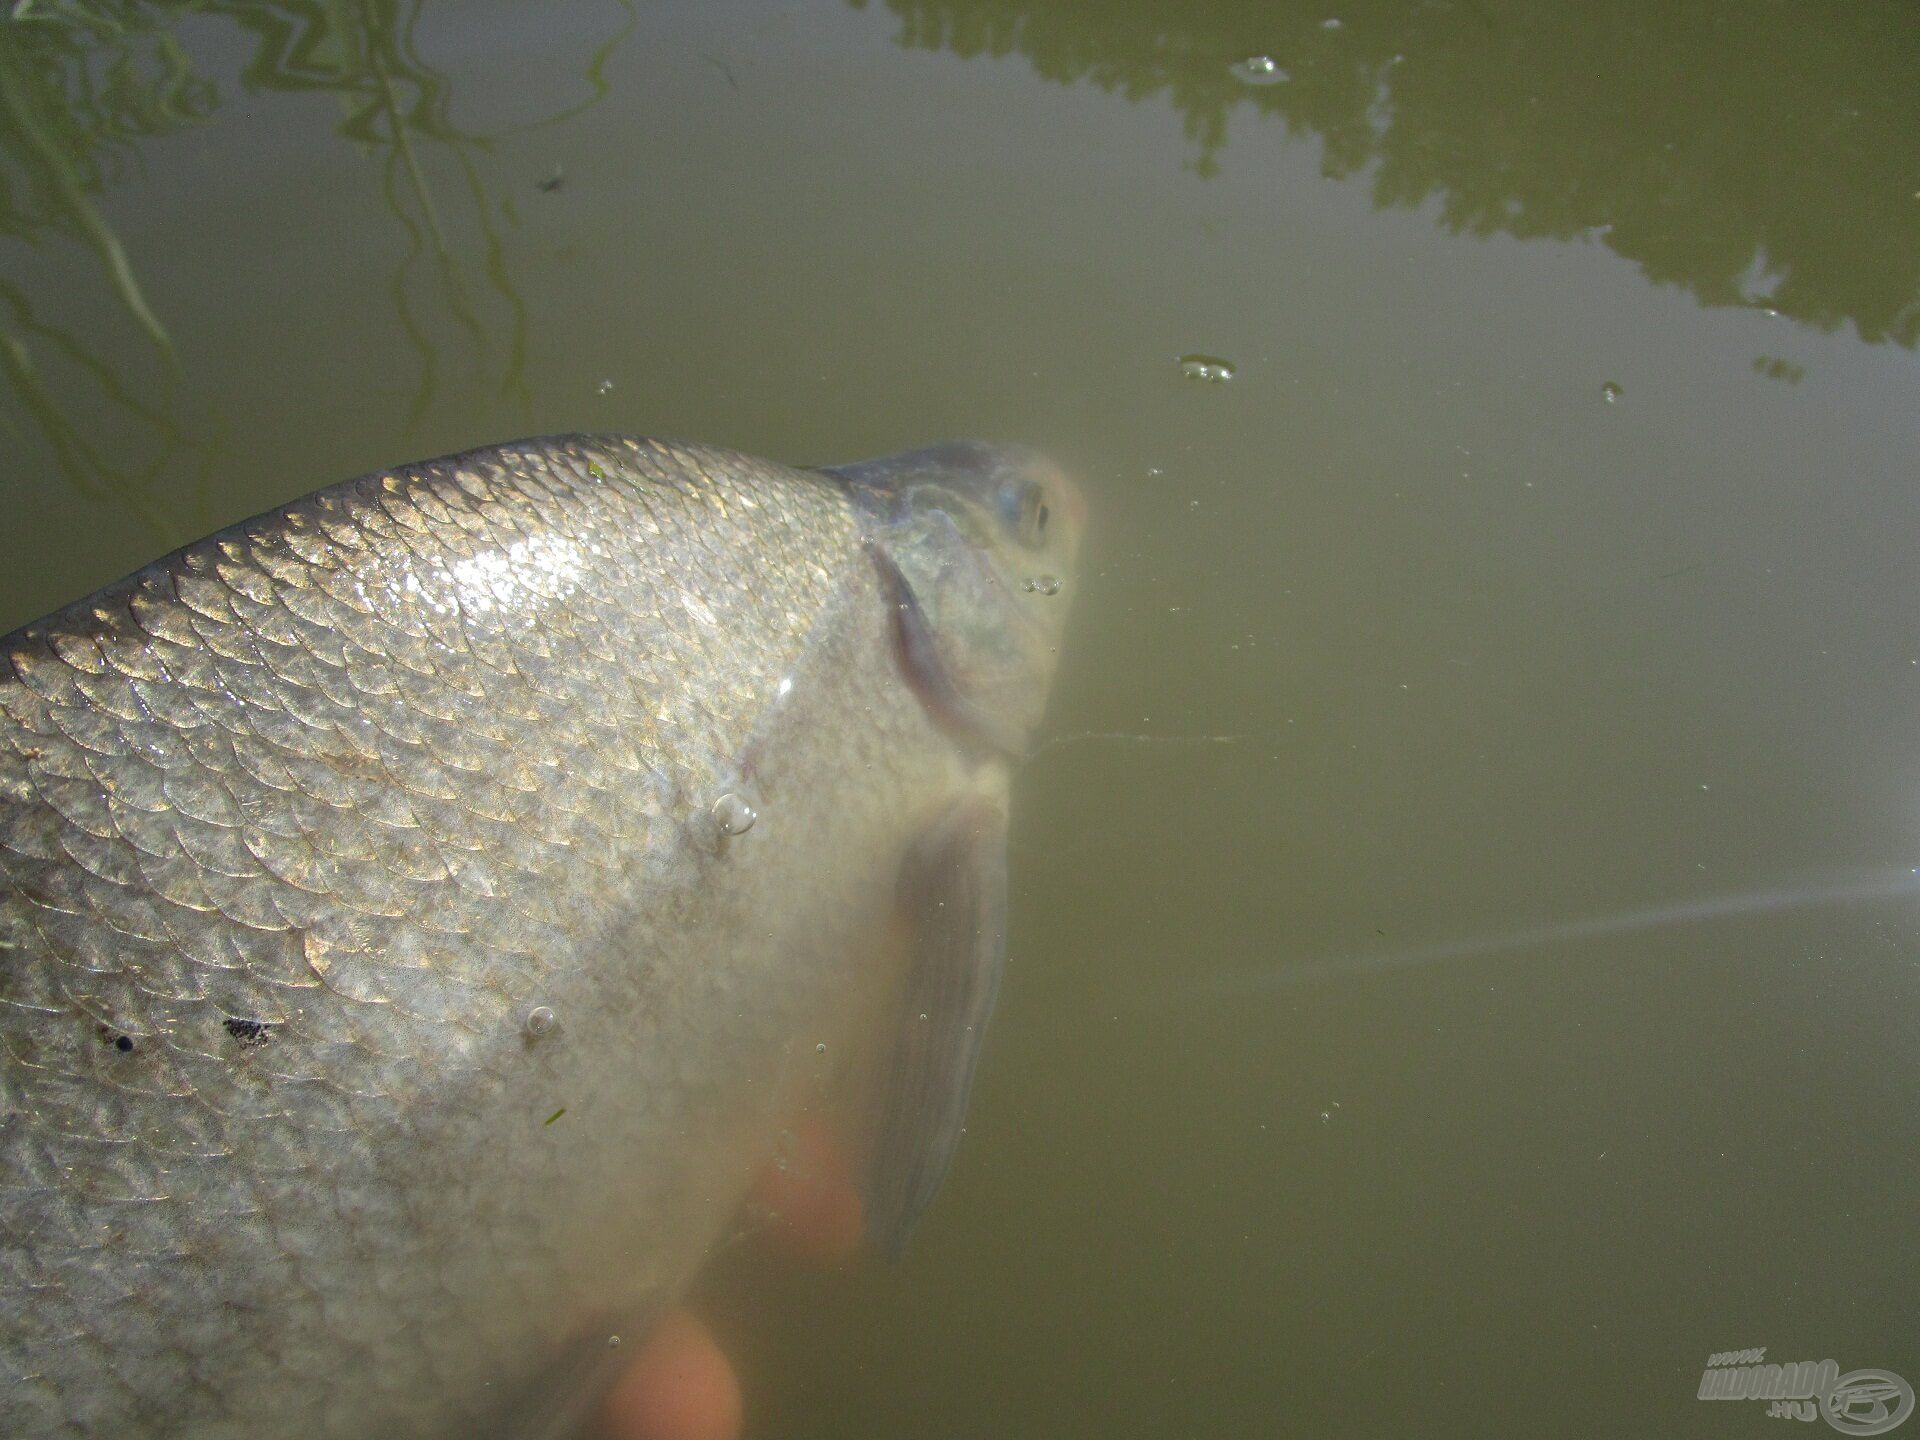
953, 892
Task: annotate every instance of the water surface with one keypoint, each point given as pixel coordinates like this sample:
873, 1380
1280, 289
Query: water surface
1464, 960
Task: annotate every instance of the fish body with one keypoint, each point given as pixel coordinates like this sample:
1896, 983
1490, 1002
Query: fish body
422, 906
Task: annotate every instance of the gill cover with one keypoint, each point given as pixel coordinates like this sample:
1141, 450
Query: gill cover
969, 543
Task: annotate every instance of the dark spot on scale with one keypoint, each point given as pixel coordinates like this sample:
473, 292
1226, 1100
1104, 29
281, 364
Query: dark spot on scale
123, 1043
250, 1033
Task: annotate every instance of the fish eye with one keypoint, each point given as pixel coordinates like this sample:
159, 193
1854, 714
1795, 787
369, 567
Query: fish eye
1024, 508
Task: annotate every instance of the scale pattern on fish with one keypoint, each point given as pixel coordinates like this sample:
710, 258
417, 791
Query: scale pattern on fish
392, 992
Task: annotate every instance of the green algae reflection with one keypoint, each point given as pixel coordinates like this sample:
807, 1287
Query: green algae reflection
1755, 152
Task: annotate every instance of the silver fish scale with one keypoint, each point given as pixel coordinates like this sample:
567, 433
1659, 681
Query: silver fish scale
297, 825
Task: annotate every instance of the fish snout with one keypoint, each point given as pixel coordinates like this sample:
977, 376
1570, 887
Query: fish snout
1021, 488
1039, 503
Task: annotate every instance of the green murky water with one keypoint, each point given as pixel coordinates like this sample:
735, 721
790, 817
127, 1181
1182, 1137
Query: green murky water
1464, 960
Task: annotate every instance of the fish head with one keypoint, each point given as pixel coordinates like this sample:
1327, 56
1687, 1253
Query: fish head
976, 544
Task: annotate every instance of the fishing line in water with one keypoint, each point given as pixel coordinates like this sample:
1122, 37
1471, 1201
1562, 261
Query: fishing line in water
1703, 910
1055, 742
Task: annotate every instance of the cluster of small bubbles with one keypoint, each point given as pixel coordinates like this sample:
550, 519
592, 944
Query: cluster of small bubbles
733, 814
1210, 368
1611, 392
1258, 70
1042, 585
540, 1021
605, 387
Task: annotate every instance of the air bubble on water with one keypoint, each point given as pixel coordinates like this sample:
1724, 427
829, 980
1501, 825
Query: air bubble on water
821, 1048
1042, 585
733, 814
613, 1342
1258, 70
540, 1021
1611, 392
1210, 368
605, 387
1332, 23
